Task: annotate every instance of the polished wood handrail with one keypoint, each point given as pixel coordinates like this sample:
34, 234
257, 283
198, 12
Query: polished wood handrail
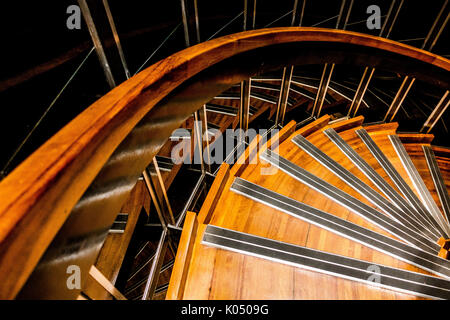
39, 194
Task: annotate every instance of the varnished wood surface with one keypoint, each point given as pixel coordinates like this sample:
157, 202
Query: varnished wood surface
115, 246
416, 137
220, 274
43, 190
183, 258
214, 193
249, 156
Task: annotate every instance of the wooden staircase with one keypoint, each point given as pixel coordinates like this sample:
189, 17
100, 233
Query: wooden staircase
331, 210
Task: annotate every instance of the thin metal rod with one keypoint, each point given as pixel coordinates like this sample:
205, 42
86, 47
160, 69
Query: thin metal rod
326, 20
348, 15
437, 113
116, 38
359, 94
244, 106
13, 156
198, 139
154, 197
208, 151
322, 90
191, 198
284, 95
387, 16
433, 27
97, 43
440, 32
340, 14
276, 20
395, 18
348, 9
249, 8
302, 14
294, 13
159, 47
408, 40
152, 279
191, 36
398, 99
226, 25
164, 191
361, 21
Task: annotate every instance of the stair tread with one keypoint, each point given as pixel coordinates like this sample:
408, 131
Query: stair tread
418, 158
218, 274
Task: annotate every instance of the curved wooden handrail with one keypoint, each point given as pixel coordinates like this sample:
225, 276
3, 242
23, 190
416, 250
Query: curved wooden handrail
37, 197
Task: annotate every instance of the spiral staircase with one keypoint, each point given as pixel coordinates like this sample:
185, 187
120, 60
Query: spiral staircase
335, 185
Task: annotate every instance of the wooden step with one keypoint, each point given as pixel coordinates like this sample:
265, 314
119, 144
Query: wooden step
215, 273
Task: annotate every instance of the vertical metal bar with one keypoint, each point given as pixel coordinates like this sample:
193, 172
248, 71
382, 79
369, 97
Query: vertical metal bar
294, 13
438, 25
284, 94
398, 99
386, 20
189, 14
197, 138
439, 33
302, 13
391, 23
244, 106
322, 90
359, 94
205, 119
154, 197
152, 279
116, 38
346, 7
437, 113
407, 82
97, 43
249, 14
161, 191
347, 17
188, 203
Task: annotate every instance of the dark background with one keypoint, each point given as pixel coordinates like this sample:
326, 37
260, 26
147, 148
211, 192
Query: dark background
40, 54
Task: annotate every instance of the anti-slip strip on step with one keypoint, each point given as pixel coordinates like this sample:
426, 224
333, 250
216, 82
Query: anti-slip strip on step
438, 181
380, 183
416, 179
323, 262
356, 206
360, 187
399, 182
369, 238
